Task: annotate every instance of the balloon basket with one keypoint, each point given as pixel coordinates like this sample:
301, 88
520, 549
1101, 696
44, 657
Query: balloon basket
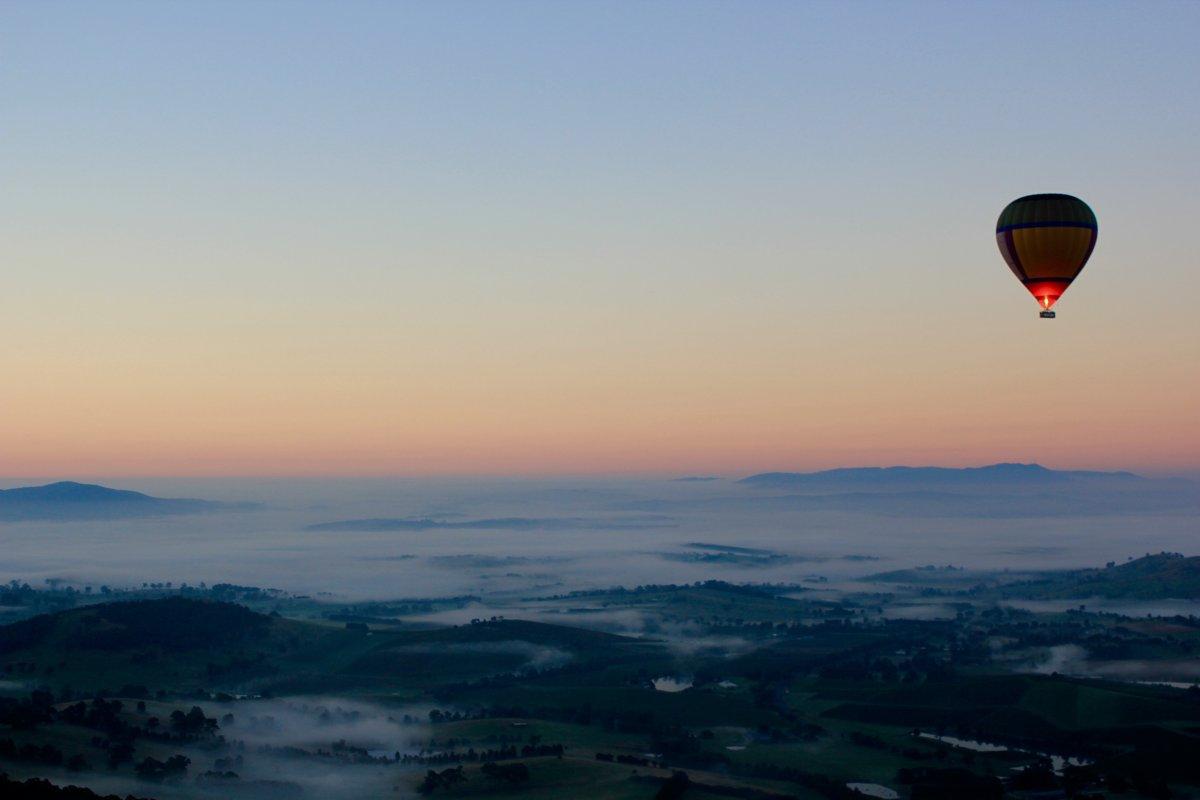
1046, 315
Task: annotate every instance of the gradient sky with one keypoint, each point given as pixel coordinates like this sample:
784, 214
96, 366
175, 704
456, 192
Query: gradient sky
486, 237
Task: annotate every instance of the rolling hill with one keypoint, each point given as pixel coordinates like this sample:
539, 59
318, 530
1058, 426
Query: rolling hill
67, 500
1152, 577
173, 642
183, 644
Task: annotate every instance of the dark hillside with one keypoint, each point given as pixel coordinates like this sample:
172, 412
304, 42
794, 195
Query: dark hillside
1152, 577
174, 643
172, 624
67, 500
38, 789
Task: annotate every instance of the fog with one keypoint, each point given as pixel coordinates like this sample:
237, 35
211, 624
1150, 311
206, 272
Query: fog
291, 747
588, 534
517, 547
1071, 659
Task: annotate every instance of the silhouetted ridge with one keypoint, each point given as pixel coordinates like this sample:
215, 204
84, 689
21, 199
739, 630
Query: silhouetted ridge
882, 477
41, 789
71, 500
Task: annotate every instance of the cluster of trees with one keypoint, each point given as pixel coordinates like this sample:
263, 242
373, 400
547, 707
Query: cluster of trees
743, 589
229, 763
20, 668
824, 785
38, 789
192, 723
1077, 782
151, 769
16, 593
437, 715
679, 746
31, 600
46, 754
105, 716
26, 715
100, 714
386, 612
353, 754
57, 595
622, 758
446, 779
516, 772
495, 754
928, 783
674, 787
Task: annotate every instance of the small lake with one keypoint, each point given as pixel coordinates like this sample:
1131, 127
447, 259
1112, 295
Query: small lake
1171, 684
671, 684
967, 744
873, 790
1057, 763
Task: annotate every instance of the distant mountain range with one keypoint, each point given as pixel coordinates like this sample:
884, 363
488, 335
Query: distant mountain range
996, 491
67, 500
930, 477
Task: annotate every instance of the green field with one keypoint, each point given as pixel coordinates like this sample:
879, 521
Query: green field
782, 697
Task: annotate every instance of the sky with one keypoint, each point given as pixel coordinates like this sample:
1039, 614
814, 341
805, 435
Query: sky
288, 238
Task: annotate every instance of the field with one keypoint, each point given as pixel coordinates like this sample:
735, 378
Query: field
729, 691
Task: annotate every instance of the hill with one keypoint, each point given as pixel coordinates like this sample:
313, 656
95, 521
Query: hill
171, 642
184, 644
1152, 577
173, 624
67, 500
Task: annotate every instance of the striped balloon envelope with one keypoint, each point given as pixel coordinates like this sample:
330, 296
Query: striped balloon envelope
1046, 239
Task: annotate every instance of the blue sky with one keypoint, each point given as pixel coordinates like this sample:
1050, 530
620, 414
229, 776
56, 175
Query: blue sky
568, 229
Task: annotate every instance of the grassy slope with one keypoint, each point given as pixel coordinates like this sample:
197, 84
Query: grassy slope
171, 643
181, 644
1153, 577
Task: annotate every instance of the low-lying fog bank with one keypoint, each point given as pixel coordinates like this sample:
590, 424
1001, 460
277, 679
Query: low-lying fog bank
691, 536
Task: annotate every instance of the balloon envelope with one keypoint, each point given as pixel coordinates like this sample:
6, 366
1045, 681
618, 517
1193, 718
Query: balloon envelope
1046, 239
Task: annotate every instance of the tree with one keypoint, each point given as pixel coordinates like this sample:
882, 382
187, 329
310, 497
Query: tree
119, 753
151, 769
509, 773
674, 787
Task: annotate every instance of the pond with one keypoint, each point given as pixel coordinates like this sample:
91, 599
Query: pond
1057, 763
671, 684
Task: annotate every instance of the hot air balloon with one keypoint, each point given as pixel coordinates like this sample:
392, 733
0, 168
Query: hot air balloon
1046, 239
